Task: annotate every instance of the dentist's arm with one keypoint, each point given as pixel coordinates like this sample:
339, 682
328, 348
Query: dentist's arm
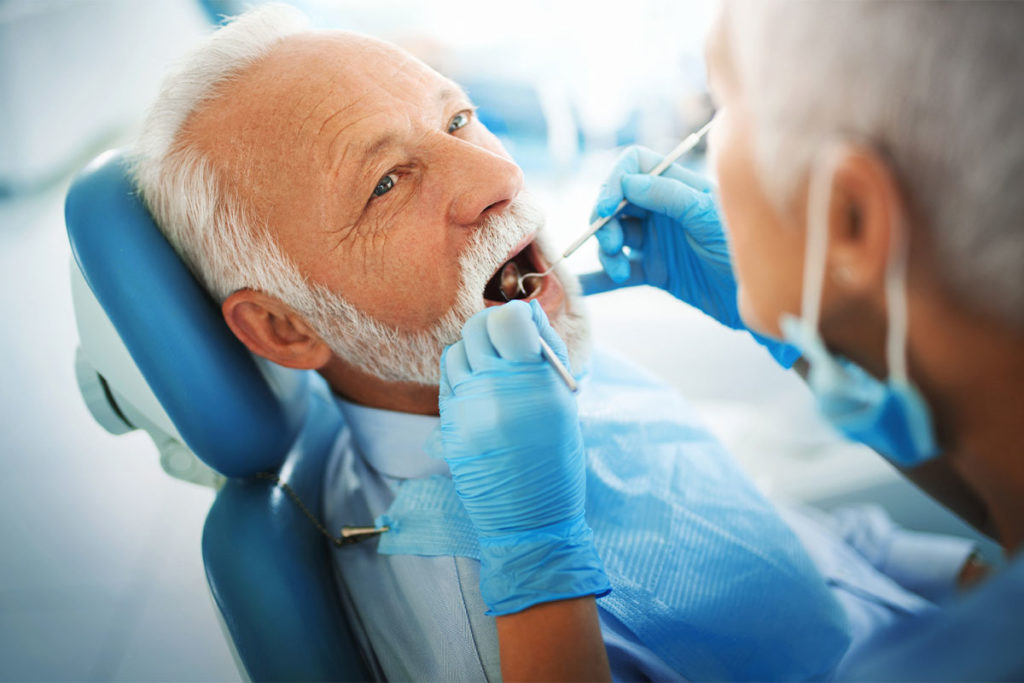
511, 437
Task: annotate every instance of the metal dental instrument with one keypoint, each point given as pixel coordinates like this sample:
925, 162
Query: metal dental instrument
688, 143
562, 371
508, 276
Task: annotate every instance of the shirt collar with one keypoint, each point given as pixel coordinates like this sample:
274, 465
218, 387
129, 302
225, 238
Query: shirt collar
391, 442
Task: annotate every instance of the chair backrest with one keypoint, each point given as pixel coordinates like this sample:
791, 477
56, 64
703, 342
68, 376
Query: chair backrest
268, 568
237, 416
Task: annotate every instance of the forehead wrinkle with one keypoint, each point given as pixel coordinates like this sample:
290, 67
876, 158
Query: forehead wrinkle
448, 93
337, 165
309, 116
341, 110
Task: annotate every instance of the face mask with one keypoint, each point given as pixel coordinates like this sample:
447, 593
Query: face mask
890, 417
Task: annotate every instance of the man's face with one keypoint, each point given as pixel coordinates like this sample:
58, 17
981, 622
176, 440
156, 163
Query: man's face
374, 176
767, 247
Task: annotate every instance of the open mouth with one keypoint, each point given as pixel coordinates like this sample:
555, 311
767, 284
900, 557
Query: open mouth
504, 284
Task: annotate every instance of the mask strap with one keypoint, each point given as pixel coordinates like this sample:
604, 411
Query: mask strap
896, 299
815, 249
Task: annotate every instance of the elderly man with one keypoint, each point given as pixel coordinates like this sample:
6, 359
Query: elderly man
349, 212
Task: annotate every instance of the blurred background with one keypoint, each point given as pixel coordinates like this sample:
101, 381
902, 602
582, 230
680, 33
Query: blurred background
100, 569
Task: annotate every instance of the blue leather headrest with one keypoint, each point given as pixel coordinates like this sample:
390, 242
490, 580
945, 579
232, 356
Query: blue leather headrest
206, 380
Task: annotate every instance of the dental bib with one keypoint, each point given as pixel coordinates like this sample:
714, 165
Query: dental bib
704, 571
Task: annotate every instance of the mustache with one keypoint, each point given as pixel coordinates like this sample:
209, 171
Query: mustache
495, 238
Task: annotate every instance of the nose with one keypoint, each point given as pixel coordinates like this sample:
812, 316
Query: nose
483, 182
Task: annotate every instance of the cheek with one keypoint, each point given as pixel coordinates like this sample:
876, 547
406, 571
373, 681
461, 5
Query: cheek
766, 253
403, 271
417, 274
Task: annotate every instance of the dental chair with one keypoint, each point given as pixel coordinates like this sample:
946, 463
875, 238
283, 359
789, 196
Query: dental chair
155, 354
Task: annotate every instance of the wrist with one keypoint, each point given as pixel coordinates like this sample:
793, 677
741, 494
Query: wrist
555, 562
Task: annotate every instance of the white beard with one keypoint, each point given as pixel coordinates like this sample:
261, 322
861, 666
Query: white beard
396, 355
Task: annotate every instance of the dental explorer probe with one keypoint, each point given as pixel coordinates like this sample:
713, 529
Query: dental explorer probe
562, 371
551, 357
688, 143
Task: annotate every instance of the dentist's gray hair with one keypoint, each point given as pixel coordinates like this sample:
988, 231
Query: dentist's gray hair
935, 86
213, 229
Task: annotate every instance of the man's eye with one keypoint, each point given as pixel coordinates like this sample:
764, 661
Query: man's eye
385, 184
461, 120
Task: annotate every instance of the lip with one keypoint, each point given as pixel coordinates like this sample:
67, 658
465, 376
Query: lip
549, 293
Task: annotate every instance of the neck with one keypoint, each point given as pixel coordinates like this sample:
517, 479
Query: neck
971, 369
360, 387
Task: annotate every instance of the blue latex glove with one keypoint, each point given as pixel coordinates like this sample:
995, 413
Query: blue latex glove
511, 437
675, 239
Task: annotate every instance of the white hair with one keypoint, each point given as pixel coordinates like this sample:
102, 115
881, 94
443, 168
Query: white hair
219, 236
212, 229
935, 87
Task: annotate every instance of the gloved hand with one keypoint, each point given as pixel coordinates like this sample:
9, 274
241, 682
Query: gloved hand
675, 237
511, 437
672, 229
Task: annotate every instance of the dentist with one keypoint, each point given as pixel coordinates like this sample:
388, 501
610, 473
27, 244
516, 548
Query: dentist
867, 220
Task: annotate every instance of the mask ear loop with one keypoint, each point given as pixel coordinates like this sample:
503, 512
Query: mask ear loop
896, 298
819, 195
818, 200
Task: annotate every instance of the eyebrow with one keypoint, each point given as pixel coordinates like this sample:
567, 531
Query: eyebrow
379, 144
450, 93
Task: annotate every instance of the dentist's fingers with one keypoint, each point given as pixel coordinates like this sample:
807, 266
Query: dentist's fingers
599, 282
633, 235
667, 196
513, 332
610, 237
647, 159
445, 387
479, 351
548, 334
615, 265
640, 160
456, 365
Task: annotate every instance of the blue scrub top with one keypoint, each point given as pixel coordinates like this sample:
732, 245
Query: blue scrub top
979, 637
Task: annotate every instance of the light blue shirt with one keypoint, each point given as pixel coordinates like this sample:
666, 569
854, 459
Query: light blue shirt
423, 618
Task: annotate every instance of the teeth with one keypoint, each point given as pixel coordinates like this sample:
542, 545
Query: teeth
510, 280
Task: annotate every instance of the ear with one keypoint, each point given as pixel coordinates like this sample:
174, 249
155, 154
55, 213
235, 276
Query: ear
866, 203
271, 329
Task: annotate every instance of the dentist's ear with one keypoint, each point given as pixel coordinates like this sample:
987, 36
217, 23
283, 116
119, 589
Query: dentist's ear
866, 206
271, 329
